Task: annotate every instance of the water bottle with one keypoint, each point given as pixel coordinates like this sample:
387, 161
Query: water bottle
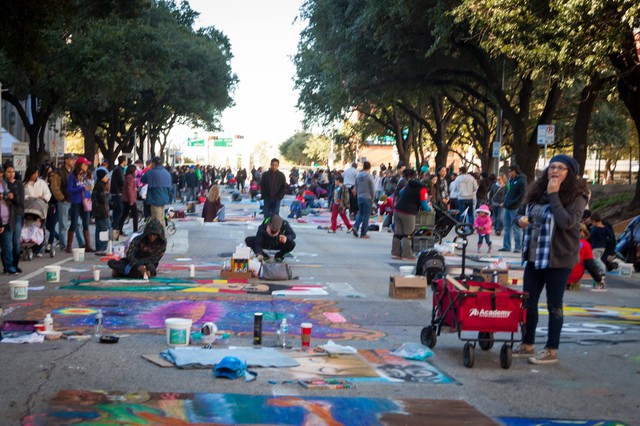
48, 323
282, 333
97, 332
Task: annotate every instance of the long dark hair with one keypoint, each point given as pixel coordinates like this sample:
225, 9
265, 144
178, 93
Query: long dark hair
29, 172
77, 169
131, 170
570, 189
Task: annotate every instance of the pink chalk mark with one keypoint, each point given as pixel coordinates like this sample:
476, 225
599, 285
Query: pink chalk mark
334, 317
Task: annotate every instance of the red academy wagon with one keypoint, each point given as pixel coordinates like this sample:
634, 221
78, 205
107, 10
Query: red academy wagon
485, 307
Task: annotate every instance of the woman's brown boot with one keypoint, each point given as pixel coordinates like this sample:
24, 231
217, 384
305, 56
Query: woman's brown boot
87, 238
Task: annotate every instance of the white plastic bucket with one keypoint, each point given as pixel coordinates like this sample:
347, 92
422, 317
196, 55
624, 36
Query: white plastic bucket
52, 274
178, 331
406, 270
78, 254
19, 289
200, 220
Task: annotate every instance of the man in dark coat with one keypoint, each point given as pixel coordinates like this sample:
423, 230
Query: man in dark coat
273, 186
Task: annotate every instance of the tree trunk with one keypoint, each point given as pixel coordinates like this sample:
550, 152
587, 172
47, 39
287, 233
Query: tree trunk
89, 132
629, 92
588, 99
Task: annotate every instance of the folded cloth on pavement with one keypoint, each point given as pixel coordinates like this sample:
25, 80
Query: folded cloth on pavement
207, 358
27, 338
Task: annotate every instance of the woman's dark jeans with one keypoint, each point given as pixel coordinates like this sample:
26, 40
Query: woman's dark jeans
555, 281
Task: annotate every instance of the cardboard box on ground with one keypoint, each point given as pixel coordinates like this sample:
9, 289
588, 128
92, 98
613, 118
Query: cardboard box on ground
408, 287
500, 276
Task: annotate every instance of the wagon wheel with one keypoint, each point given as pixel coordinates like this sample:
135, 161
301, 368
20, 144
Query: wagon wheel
505, 356
468, 355
52, 252
485, 340
428, 336
171, 228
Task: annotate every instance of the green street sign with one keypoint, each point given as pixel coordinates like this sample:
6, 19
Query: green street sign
223, 142
195, 142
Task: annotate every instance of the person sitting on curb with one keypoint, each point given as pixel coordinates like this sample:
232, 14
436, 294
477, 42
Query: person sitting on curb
273, 234
144, 253
587, 262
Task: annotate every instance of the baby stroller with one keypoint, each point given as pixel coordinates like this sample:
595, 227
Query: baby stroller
628, 246
33, 227
445, 221
170, 225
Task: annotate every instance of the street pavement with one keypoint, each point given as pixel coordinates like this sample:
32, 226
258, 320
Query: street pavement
596, 378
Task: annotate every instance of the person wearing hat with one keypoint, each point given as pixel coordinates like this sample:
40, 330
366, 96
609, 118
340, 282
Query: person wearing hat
100, 209
273, 234
550, 215
79, 189
482, 225
516, 187
159, 184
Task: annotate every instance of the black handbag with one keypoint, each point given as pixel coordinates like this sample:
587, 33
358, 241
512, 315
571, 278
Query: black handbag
276, 271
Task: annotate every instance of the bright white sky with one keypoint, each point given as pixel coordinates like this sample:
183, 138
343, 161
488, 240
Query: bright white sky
263, 40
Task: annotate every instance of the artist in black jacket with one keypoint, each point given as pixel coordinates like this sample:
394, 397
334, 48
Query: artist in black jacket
273, 234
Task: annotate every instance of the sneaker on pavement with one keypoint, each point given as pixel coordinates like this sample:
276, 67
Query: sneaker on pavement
504, 249
394, 256
517, 250
364, 236
409, 259
522, 352
355, 233
544, 357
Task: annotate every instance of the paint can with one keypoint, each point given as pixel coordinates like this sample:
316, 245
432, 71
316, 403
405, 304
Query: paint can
406, 270
305, 334
19, 289
257, 328
78, 254
52, 273
178, 331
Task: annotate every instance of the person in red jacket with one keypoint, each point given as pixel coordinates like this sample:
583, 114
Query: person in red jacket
587, 262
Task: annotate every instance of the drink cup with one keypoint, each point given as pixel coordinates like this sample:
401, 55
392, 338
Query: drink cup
96, 274
192, 271
305, 334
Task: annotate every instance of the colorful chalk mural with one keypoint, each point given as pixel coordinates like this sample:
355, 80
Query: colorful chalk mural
522, 421
192, 285
147, 315
610, 314
95, 407
367, 366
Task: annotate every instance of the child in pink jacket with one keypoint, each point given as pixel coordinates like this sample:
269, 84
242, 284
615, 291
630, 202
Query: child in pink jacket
482, 225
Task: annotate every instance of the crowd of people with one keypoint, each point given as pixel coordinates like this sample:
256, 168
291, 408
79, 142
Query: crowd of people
546, 221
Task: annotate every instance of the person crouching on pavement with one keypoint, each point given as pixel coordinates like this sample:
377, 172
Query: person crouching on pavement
144, 253
273, 234
587, 262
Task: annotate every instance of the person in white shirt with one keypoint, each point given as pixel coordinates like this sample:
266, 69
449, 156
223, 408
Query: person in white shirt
349, 177
466, 186
34, 186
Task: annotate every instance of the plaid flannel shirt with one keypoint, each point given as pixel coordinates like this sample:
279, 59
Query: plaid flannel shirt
544, 239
